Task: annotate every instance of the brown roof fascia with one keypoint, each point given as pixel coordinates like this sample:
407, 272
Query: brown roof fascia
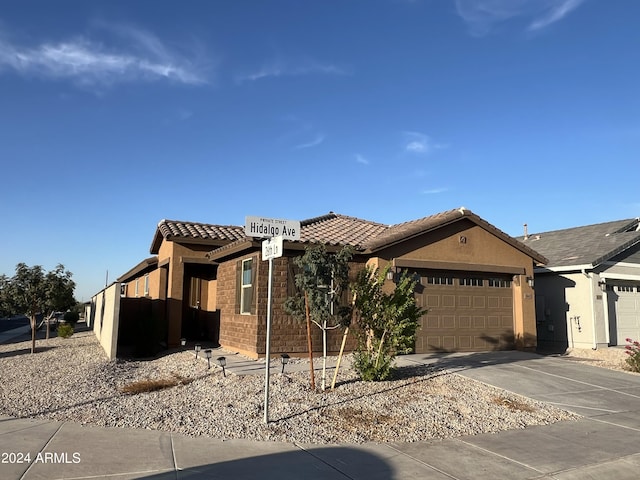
146, 264
232, 249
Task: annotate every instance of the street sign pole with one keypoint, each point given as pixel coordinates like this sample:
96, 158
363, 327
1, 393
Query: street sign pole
271, 248
276, 230
268, 352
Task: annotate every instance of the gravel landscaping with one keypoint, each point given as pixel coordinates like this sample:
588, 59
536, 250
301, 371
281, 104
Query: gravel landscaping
71, 380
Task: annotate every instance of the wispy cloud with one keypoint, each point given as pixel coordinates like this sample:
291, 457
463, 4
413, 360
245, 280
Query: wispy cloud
420, 143
483, 15
361, 159
282, 68
434, 191
129, 55
313, 143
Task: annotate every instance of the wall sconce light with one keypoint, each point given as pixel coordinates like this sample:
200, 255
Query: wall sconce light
530, 281
390, 274
197, 348
222, 362
603, 285
183, 341
285, 359
207, 353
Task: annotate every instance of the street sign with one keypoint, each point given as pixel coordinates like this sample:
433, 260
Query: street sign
272, 248
271, 227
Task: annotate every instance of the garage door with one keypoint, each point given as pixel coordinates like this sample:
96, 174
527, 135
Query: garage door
627, 308
465, 312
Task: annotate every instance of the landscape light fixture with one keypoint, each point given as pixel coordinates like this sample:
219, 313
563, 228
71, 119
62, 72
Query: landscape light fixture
207, 353
222, 361
285, 359
197, 349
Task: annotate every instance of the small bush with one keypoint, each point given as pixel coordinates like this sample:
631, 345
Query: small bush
65, 330
372, 369
72, 317
633, 350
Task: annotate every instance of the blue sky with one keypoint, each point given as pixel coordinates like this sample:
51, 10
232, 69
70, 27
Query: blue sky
117, 114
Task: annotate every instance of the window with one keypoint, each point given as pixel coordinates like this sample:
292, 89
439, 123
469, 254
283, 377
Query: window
470, 282
624, 288
440, 280
499, 283
246, 292
146, 284
137, 292
194, 292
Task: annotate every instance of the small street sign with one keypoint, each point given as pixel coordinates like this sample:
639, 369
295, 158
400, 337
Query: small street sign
272, 248
271, 227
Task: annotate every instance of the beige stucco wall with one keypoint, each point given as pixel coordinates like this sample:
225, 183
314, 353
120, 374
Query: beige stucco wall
573, 303
106, 306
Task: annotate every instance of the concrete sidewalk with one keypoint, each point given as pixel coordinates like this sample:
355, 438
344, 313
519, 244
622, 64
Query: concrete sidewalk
604, 444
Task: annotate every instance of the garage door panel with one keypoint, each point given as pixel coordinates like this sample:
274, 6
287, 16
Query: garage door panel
464, 321
626, 298
471, 314
433, 301
479, 322
448, 321
493, 302
479, 302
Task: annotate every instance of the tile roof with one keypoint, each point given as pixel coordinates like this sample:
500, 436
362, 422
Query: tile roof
368, 237
336, 229
586, 245
175, 230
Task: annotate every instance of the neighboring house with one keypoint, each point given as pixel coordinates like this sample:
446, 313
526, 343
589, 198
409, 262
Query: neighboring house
473, 278
588, 294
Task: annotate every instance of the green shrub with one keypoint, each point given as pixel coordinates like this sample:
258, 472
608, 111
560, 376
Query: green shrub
371, 367
65, 330
388, 321
72, 317
633, 350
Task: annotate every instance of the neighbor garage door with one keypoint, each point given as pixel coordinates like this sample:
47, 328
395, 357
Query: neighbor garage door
465, 312
627, 308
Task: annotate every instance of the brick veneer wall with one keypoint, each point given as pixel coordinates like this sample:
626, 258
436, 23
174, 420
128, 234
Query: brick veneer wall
236, 331
247, 333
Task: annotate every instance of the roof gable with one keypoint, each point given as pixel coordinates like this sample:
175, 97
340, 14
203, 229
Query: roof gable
404, 231
586, 245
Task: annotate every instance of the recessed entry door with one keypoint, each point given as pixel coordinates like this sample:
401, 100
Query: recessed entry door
466, 312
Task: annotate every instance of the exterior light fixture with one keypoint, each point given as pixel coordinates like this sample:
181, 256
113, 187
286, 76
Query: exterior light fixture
197, 348
222, 361
207, 353
183, 341
285, 359
530, 281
